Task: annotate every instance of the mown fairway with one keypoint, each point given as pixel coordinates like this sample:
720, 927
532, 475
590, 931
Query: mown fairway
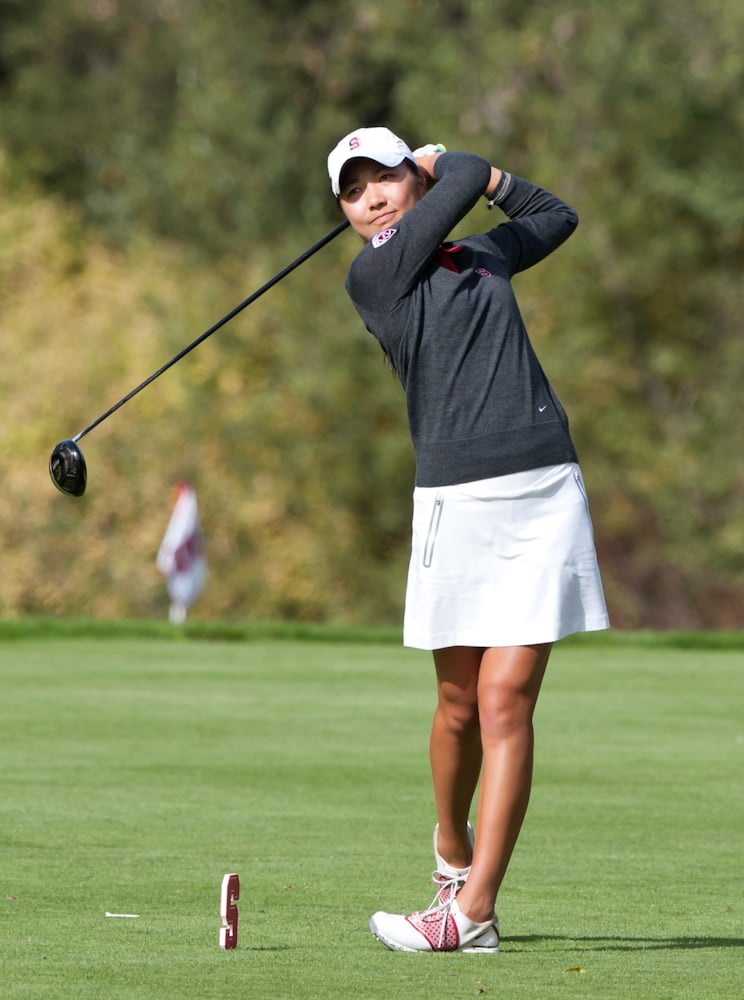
137, 769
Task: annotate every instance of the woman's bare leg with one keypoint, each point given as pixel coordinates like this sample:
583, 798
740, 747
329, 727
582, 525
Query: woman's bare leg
509, 682
455, 748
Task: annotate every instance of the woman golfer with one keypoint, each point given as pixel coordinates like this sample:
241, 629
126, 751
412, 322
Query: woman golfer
503, 561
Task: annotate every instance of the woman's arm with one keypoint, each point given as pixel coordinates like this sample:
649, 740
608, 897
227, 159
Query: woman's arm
539, 222
393, 261
426, 161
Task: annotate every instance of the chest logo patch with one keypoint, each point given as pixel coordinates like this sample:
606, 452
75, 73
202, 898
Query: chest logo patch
379, 238
483, 272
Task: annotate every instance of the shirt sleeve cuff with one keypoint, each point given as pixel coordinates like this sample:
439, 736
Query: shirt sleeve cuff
500, 191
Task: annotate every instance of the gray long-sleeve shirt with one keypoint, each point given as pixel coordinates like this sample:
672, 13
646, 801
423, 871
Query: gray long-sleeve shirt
479, 403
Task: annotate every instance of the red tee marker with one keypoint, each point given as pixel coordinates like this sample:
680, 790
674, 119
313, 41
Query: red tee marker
229, 911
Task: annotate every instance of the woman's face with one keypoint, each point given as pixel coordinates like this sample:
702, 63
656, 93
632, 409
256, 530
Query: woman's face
374, 197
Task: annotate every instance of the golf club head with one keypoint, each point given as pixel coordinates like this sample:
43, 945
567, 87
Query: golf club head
67, 469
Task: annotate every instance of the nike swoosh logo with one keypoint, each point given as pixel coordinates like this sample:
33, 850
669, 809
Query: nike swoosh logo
543, 408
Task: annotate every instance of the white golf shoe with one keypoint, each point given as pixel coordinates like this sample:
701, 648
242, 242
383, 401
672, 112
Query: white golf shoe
443, 927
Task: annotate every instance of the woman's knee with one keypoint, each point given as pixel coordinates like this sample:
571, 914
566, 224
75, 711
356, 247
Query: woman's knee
509, 685
503, 711
457, 689
458, 711
460, 720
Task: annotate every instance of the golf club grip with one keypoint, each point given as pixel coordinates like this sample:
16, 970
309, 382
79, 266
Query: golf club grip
220, 323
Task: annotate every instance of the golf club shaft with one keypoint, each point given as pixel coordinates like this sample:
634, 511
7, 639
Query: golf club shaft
221, 322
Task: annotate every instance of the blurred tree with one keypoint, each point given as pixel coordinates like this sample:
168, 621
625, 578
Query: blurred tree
189, 134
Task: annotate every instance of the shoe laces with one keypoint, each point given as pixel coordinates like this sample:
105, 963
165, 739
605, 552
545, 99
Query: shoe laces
439, 908
449, 886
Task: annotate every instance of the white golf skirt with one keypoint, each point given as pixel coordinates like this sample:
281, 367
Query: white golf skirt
508, 561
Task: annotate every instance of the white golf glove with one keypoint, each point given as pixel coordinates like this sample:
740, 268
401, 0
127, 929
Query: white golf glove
433, 147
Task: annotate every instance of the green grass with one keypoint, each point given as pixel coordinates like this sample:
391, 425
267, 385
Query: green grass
140, 763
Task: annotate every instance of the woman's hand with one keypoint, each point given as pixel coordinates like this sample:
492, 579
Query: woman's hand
426, 157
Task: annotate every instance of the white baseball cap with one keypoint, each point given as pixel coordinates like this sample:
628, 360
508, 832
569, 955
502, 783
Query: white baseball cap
378, 144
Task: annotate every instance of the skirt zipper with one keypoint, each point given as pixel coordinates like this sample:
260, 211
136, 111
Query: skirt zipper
436, 516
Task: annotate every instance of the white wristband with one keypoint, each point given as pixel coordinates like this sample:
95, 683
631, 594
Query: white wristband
500, 191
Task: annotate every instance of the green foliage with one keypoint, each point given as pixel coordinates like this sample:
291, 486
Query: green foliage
164, 159
266, 424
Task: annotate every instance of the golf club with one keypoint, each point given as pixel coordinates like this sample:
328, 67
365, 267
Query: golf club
67, 465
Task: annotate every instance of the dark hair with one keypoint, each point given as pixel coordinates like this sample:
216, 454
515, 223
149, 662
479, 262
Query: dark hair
389, 364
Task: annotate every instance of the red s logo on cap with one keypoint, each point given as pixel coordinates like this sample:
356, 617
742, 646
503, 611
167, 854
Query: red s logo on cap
354, 143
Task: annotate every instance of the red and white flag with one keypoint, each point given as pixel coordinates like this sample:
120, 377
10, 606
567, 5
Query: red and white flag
181, 557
